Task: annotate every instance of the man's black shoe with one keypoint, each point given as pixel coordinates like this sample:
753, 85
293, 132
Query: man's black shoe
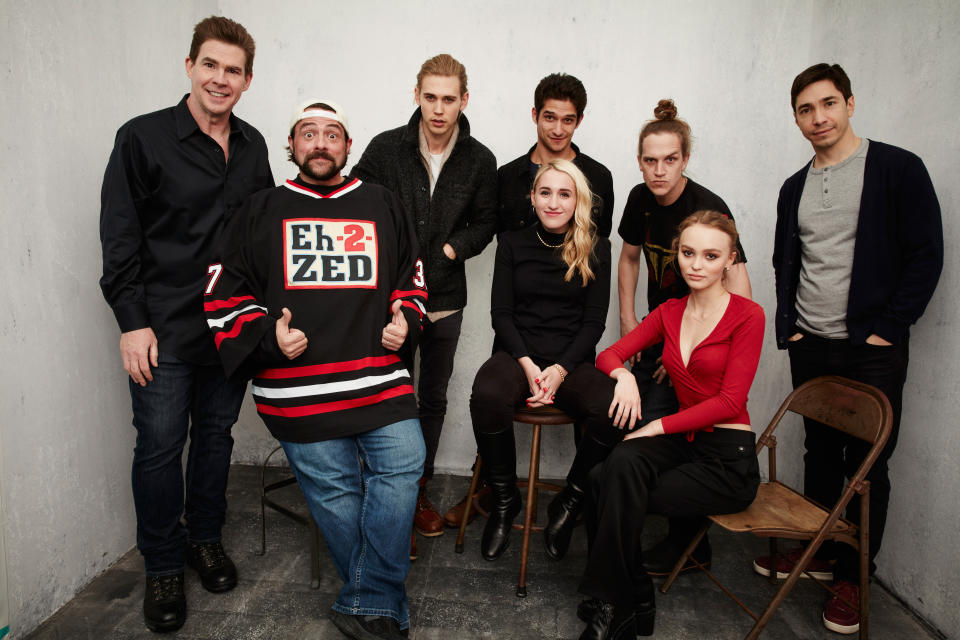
164, 605
216, 569
367, 627
660, 560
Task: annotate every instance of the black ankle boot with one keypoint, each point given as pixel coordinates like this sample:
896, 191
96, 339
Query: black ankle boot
565, 508
506, 505
609, 624
562, 512
499, 454
164, 605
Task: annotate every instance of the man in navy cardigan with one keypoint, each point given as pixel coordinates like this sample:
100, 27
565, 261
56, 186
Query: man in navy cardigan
857, 255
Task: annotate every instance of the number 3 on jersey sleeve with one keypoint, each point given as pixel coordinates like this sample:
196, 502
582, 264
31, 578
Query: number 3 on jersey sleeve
418, 274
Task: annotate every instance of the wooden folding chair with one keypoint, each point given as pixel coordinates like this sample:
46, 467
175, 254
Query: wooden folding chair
778, 511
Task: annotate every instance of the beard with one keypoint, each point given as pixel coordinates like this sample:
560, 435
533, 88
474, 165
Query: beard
332, 171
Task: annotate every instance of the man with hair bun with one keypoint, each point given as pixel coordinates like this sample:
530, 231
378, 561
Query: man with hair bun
857, 254
174, 178
653, 211
446, 180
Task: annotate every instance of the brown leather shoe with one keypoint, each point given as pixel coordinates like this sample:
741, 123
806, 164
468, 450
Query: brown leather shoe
426, 519
452, 517
413, 546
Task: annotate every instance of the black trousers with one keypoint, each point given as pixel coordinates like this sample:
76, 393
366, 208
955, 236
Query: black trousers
831, 457
656, 400
716, 473
501, 386
438, 346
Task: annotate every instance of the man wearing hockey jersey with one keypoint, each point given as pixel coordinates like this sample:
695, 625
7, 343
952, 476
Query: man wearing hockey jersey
319, 297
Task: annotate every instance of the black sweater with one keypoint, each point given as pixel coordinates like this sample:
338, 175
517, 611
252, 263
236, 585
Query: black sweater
535, 312
462, 210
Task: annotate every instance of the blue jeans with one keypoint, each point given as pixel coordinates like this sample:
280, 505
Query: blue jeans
182, 397
362, 491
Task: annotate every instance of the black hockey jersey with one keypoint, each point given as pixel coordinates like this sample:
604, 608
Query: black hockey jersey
337, 261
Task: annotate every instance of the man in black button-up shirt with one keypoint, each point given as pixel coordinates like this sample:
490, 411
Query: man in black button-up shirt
173, 178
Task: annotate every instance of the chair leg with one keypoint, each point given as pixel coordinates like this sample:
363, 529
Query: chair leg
683, 558
865, 561
786, 587
531, 513
774, 561
263, 498
314, 554
474, 481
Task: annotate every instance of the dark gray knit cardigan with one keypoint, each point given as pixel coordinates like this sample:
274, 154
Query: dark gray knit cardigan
462, 211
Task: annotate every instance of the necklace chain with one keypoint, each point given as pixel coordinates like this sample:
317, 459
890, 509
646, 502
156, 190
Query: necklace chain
544, 243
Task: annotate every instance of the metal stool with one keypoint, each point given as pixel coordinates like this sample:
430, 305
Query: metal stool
293, 515
538, 417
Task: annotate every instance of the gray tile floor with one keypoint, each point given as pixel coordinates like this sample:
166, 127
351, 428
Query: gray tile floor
452, 596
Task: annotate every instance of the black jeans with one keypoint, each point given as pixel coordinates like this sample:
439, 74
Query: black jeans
656, 400
500, 387
181, 397
438, 346
832, 456
716, 473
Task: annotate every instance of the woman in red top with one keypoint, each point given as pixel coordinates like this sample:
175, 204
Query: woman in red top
697, 461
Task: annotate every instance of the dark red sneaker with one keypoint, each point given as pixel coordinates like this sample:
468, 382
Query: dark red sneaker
819, 569
838, 615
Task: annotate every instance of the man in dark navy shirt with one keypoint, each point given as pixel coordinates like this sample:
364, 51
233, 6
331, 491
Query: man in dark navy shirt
558, 104
172, 180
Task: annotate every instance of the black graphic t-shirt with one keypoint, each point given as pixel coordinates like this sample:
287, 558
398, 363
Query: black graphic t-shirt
650, 225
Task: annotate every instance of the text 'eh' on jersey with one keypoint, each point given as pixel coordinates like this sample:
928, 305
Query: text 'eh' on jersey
338, 259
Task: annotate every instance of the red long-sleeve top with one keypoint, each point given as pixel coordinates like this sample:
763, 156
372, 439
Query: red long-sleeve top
712, 387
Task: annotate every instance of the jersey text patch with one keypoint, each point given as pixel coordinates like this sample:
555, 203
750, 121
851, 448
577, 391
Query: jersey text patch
329, 254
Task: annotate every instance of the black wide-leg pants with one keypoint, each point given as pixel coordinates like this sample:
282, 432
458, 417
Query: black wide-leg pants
715, 473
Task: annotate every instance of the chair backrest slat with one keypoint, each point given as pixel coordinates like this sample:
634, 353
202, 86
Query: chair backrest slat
851, 407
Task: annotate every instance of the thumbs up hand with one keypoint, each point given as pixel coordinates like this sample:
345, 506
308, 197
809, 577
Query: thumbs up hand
395, 333
292, 342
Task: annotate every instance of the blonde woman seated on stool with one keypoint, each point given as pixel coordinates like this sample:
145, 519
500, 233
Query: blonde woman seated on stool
551, 288
697, 461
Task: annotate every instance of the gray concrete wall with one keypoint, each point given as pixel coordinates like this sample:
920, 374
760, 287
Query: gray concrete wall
74, 73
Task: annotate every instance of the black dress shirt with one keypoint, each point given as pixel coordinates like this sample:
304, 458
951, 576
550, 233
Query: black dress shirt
515, 178
167, 192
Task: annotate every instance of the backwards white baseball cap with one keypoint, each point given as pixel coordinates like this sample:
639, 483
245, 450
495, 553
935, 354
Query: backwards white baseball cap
329, 109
